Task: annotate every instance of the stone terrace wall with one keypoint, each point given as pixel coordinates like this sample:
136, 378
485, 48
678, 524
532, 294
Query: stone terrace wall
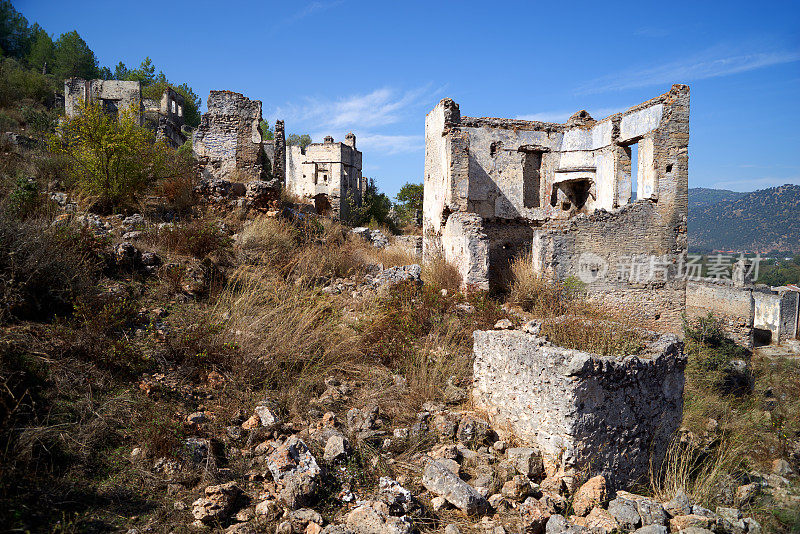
596, 414
228, 140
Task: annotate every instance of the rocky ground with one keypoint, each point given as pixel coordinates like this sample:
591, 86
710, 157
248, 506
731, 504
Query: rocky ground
251, 368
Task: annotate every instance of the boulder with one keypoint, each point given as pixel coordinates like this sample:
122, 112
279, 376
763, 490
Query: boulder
217, 504
373, 518
337, 449
527, 461
397, 498
625, 512
533, 517
591, 494
441, 481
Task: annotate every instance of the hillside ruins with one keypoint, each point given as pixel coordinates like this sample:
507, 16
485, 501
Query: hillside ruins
497, 189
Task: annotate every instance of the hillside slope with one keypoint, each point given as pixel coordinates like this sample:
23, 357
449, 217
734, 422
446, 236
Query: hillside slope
767, 219
700, 197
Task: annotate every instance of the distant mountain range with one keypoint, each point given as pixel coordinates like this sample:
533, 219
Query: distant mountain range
764, 220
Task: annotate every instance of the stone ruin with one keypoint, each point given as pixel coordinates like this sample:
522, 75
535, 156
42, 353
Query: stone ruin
230, 150
327, 172
587, 414
751, 314
228, 140
496, 189
165, 116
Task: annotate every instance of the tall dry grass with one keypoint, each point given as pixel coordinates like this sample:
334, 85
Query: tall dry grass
702, 473
440, 274
533, 292
288, 335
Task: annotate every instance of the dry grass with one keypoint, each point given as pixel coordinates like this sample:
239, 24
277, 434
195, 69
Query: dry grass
441, 275
599, 337
197, 237
700, 472
288, 335
534, 293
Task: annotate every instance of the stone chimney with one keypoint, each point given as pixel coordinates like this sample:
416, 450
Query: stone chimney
350, 139
328, 139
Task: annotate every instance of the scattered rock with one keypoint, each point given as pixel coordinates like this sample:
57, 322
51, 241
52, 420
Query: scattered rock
441, 481
532, 517
337, 449
590, 495
782, 468
527, 461
682, 522
373, 518
267, 413
601, 520
217, 504
504, 324
745, 493
300, 519
398, 499
624, 511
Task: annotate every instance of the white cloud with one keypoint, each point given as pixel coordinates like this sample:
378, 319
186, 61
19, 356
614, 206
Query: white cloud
712, 63
756, 183
310, 9
390, 144
379, 108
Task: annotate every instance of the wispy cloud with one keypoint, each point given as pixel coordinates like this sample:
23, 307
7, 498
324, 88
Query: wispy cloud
378, 108
391, 144
712, 63
756, 183
310, 9
378, 118
651, 31
562, 116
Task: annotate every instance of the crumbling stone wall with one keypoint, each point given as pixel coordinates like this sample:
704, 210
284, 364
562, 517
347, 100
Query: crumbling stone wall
733, 305
113, 95
228, 140
327, 172
744, 307
166, 117
587, 413
562, 187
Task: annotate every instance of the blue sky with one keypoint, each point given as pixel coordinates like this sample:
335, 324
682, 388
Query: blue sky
376, 68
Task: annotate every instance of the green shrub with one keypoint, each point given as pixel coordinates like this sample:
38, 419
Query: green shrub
23, 199
112, 160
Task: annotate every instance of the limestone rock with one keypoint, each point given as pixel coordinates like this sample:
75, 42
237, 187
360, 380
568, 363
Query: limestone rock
589, 495
301, 519
291, 459
441, 481
557, 524
217, 504
624, 511
527, 461
682, 522
398, 498
337, 449
533, 517
601, 520
652, 529
371, 518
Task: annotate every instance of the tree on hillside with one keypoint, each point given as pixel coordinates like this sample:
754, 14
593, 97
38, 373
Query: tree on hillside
73, 57
409, 201
112, 160
299, 140
153, 86
42, 54
15, 36
266, 132
375, 207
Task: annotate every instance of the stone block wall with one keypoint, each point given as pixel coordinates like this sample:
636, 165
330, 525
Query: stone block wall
734, 306
228, 140
594, 414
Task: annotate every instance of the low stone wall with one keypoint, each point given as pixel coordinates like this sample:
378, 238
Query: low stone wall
733, 305
595, 414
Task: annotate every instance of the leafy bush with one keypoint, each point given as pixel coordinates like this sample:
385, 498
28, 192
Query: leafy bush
23, 199
18, 83
112, 160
